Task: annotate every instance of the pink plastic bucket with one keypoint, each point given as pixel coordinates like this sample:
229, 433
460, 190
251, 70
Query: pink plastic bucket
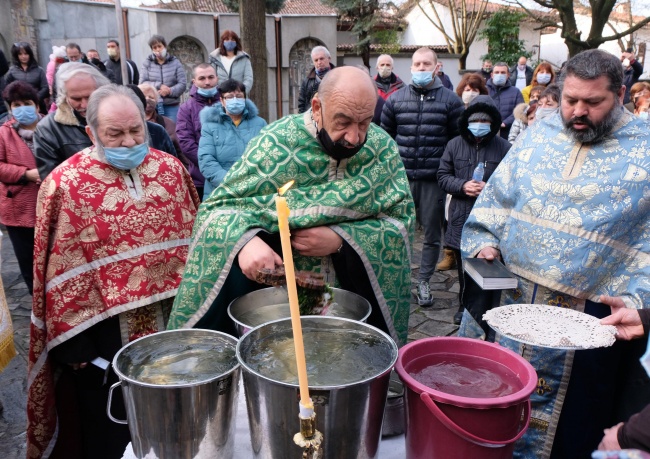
443, 426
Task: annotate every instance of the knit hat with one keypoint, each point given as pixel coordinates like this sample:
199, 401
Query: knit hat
479, 116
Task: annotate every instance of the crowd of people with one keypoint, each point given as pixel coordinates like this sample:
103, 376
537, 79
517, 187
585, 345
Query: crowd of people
131, 210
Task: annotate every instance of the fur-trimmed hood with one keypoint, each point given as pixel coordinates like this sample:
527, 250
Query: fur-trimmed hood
482, 104
520, 112
65, 115
217, 114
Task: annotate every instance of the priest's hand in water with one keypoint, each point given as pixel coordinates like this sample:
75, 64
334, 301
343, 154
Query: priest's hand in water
255, 255
319, 241
626, 320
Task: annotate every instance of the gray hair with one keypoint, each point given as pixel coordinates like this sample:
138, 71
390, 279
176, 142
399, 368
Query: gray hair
103, 93
392, 62
502, 64
70, 70
142, 86
591, 65
321, 49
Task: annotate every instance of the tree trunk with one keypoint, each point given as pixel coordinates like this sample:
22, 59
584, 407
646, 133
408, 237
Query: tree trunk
462, 61
252, 17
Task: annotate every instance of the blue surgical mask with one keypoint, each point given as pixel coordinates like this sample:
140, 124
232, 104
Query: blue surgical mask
543, 78
235, 105
209, 93
126, 158
643, 115
230, 45
421, 79
25, 115
499, 79
479, 129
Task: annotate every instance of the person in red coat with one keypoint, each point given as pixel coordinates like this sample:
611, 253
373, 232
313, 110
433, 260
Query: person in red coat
19, 179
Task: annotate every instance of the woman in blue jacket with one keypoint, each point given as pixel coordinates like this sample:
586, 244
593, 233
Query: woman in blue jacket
226, 129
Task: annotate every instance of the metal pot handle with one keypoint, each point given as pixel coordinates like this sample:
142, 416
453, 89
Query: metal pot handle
110, 401
462, 433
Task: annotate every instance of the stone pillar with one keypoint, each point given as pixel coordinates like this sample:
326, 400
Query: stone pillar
24, 25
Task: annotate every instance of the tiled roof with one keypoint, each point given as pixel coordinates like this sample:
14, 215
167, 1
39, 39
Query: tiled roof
439, 49
291, 7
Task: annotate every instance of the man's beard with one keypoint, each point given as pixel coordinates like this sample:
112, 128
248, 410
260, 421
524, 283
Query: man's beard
593, 133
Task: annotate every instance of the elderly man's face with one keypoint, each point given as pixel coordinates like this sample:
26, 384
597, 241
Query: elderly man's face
384, 66
589, 109
320, 60
74, 54
119, 123
78, 89
346, 114
522, 61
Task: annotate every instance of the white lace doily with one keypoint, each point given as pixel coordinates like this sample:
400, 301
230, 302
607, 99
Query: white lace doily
550, 326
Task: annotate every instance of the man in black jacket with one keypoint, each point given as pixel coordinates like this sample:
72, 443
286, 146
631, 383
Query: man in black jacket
422, 118
521, 74
505, 96
113, 63
632, 70
320, 56
63, 133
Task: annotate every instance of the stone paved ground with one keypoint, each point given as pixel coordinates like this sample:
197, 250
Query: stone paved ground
424, 322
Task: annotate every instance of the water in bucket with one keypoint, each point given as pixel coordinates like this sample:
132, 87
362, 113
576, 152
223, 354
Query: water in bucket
171, 362
465, 376
271, 312
465, 398
333, 357
349, 366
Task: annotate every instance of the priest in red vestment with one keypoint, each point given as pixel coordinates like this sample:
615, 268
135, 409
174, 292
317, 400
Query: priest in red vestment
112, 233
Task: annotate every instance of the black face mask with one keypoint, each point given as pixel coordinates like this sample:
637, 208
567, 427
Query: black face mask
337, 150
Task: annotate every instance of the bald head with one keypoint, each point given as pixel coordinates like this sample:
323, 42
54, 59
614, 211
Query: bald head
345, 104
346, 79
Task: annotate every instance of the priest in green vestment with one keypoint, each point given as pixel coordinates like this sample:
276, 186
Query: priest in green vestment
352, 214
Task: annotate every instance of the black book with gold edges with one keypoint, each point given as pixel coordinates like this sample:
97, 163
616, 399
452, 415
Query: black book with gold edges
489, 275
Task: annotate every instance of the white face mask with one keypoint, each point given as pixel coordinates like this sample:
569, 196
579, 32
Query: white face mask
469, 96
626, 63
643, 115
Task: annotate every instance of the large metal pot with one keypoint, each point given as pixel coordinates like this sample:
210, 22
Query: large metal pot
349, 306
348, 415
176, 419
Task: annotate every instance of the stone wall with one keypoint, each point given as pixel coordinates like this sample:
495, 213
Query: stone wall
90, 25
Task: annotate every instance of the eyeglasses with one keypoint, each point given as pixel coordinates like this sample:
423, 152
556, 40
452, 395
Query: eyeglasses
233, 96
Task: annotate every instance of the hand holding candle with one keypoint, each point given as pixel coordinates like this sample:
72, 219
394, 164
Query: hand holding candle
283, 223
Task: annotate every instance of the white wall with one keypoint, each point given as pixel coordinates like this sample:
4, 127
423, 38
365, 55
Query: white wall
554, 50
421, 31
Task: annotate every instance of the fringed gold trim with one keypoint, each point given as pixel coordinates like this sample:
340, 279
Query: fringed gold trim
7, 352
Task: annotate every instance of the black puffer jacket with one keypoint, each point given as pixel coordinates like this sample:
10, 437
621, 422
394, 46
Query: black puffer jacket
308, 88
422, 121
460, 159
34, 75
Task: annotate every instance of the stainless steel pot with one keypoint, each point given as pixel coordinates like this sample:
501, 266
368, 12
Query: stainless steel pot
179, 420
350, 306
348, 415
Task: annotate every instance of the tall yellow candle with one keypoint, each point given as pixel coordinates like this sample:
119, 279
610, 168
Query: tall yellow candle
285, 238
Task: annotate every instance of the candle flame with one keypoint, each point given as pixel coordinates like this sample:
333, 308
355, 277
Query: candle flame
285, 187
